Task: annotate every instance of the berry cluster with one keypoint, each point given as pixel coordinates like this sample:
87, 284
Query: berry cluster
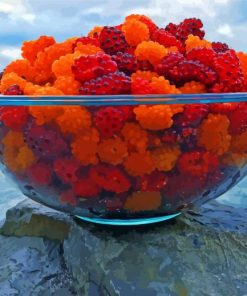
135, 158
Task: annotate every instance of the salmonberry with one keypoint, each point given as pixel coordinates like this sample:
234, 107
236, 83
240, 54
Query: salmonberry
14, 117
85, 187
112, 40
93, 66
40, 173
13, 90
156, 181
109, 178
66, 169
111, 84
167, 39
109, 121
126, 62
219, 47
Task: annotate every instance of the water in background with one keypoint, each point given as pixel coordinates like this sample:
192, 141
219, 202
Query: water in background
10, 195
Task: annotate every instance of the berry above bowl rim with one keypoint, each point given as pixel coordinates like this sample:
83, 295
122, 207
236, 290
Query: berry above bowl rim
120, 100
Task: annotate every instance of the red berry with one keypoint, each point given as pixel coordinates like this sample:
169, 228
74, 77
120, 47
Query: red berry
171, 136
219, 47
192, 116
68, 197
109, 121
67, 169
109, 178
13, 90
203, 55
197, 163
223, 108
86, 40
192, 70
238, 120
151, 25
93, 66
40, 173
168, 63
183, 187
112, 40
172, 28
167, 39
86, 187
127, 112
14, 117
145, 66
111, 84
126, 62
228, 68
153, 182
140, 86
45, 142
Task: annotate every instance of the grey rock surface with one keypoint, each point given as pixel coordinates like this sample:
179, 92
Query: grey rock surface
45, 252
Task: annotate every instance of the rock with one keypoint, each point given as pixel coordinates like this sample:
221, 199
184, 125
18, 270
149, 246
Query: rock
29, 218
203, 252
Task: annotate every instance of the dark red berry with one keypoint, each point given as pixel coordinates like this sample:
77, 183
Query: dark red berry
126, 62
219, 47
238, 120
112, 40
145, 66
13, 90
192, 115
46, 143
168, 63
92, 66
111, 84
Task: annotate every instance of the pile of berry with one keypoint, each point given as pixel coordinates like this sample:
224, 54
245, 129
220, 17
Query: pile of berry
126, 158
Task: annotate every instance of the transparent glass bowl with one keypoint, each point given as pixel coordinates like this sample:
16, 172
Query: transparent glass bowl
161, 155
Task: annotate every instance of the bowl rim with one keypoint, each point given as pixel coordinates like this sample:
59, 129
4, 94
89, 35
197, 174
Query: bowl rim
118, 100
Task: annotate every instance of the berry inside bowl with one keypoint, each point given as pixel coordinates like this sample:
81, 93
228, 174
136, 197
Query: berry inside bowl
124, 160
131, 124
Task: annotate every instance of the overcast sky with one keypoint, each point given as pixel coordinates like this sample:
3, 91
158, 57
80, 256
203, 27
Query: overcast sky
224, 20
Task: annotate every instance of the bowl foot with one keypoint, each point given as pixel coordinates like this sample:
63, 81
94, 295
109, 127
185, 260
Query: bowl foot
129, 222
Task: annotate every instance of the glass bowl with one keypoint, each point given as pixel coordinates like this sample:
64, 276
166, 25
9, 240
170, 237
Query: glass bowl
124, 160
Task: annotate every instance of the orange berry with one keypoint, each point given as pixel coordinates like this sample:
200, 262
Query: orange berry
48, 91
146, 75
165, 157
85, 146
139, 164
30, 49
143, 201
156, 117
95, 31
112, 151
45, 114
195, 41
135, 137
160, 85
238, 143
62, 66
74, 119
10, 79
13, 140
243, 63
68, 85
135, 32
193, 87
150, 51
213, 134
22, 68
30, 88
86, 49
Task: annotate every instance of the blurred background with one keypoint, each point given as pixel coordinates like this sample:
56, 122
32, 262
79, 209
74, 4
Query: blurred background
224, 20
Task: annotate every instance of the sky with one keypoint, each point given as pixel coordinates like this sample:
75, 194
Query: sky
20, 20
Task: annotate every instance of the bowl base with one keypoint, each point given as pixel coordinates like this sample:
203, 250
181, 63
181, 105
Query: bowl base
129, 222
